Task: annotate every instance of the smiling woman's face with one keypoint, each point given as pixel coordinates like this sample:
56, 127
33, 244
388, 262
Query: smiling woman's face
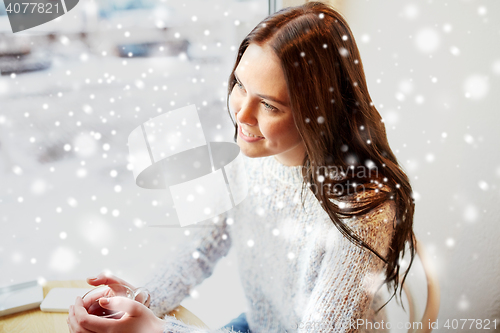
261, 105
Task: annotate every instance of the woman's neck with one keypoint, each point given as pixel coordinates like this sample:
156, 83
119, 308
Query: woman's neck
292, 157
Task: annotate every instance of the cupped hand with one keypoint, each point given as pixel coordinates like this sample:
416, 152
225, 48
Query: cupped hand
137, 318
108, 279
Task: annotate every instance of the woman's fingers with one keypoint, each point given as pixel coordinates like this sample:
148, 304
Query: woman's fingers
148, 301
131, 307
118, 304
102, 278
74, 324
143, 297
89, 322
107, 279
92, 297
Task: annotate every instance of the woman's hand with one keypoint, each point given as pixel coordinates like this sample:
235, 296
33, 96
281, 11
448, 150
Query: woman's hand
108, 279
137, 318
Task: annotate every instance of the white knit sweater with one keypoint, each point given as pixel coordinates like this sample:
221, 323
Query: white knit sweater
298, 272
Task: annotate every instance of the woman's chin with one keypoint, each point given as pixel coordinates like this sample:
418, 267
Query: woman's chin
250, 152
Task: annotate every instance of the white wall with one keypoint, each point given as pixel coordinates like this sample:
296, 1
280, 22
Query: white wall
433, 70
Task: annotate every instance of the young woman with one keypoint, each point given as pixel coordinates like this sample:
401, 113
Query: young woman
329, 208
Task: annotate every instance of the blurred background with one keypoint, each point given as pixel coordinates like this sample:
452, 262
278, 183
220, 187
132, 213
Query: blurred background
73, 89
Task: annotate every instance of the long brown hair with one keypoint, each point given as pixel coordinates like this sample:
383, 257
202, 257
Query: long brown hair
337, 121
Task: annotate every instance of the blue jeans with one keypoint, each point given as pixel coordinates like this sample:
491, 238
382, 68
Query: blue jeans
239, 324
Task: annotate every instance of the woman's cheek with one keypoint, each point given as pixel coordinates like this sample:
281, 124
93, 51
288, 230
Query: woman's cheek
268, 131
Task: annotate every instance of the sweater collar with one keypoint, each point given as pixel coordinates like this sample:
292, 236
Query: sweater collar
291, 175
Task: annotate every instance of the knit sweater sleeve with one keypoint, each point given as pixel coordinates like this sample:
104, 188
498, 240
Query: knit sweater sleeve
349, 275
191, 264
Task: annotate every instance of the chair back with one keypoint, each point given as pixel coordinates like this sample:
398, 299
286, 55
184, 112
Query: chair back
433, 294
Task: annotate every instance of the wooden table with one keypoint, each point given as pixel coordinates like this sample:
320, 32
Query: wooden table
34, 321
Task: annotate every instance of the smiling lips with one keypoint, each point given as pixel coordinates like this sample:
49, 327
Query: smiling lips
247, 136
250, 135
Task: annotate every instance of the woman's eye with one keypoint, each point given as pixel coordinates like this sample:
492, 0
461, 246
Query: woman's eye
269, 107
240, 85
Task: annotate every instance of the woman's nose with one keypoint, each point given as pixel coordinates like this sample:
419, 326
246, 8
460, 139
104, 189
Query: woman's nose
245, 115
